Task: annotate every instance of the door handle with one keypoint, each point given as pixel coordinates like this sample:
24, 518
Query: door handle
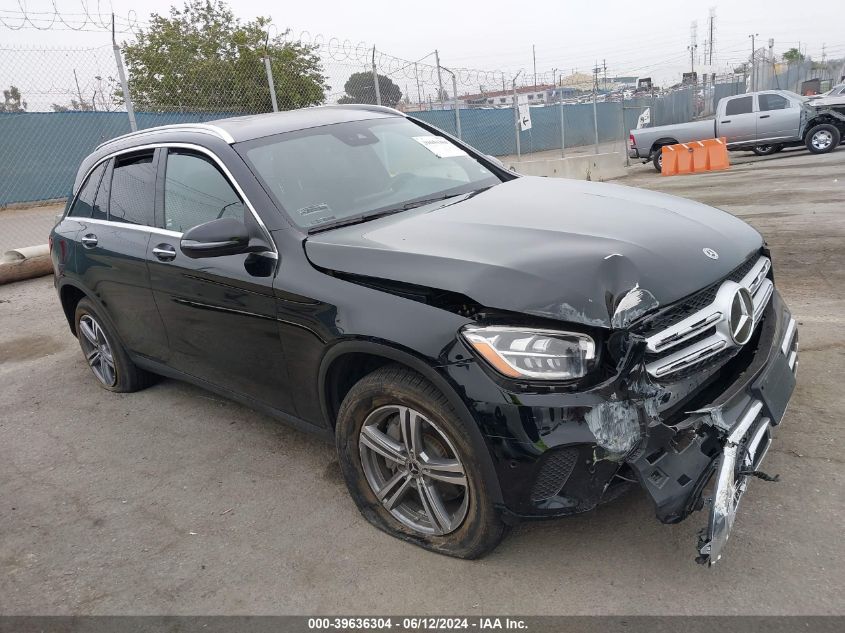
727, 121
89, 240
765, 116
165, 252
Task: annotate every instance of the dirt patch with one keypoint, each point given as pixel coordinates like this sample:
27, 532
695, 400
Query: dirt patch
28, 347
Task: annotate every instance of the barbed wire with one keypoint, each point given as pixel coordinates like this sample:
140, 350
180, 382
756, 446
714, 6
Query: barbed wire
84, 20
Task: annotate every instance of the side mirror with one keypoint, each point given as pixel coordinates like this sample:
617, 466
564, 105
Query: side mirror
224, 236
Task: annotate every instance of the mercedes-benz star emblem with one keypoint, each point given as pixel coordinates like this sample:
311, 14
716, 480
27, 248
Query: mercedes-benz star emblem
742, 316
710, 253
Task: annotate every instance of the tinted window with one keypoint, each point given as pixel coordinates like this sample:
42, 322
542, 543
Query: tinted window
101, 204
772, 102
742, 105
133, 189
84, 204
196, 192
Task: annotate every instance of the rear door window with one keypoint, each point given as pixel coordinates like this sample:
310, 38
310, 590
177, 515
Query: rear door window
740, 105
133, 189
84, 205
101, 202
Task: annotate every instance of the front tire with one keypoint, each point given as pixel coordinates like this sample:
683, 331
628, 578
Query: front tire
410, 468
823, 138
104, 352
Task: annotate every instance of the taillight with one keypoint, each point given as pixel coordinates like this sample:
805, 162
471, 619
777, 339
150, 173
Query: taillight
633, 142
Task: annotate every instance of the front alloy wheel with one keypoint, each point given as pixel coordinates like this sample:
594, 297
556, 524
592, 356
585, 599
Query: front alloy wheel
97, 350
413, 469
822, 138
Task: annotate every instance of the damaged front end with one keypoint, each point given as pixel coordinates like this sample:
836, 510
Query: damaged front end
686, 410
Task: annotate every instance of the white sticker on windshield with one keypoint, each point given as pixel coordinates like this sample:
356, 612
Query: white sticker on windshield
439, 146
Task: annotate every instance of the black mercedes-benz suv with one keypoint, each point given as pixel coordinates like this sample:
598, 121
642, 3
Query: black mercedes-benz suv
481, 347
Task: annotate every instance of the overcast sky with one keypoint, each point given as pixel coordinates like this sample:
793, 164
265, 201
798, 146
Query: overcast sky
635, 38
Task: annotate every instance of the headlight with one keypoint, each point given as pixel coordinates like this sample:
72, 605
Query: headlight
526, 353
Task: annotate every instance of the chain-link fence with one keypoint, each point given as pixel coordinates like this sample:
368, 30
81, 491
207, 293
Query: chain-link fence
61, 103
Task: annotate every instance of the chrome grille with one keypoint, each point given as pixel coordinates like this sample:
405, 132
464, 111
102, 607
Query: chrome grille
699, 334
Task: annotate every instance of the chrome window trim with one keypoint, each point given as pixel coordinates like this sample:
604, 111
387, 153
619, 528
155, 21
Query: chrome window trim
126, 225
190, 146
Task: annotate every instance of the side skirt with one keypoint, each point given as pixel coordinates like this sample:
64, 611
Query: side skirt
291, 420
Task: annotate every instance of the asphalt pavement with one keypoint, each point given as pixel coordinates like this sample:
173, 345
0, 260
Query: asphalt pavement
174, 500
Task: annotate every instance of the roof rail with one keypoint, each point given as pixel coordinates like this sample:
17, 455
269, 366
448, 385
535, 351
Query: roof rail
364, 106
204, 128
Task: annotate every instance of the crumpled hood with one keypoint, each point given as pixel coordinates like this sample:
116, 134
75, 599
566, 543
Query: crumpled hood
562, 249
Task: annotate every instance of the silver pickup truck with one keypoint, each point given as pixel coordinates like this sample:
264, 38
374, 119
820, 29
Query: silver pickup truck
764, 122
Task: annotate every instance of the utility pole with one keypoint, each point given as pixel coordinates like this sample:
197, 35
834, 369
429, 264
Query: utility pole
753, 63
534, 55
604, 67
596, 70
439, 78
692, 50
712, 29
693, 44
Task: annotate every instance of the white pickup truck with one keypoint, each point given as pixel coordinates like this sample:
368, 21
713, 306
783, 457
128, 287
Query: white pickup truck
764, 122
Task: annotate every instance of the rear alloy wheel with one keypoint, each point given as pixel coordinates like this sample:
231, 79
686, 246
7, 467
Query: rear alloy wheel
97, 350
411, 468
104, 352
767, 150
822, 139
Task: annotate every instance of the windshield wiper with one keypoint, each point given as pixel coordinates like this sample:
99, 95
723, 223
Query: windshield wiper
359, 219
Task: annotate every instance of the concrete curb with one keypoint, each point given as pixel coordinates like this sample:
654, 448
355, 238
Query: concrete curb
25, 263
588, 167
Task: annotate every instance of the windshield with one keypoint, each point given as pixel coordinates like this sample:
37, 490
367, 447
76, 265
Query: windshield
334, 173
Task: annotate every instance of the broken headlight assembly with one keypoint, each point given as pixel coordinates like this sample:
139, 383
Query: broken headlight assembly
526, 353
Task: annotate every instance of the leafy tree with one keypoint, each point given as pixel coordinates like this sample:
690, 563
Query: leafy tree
12, 101
360, 88
75, 106
203, 58
793, 55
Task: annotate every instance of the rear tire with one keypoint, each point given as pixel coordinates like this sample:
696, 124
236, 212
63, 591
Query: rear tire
823, 138
657, 160
104, 352
456, 519
767, 150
